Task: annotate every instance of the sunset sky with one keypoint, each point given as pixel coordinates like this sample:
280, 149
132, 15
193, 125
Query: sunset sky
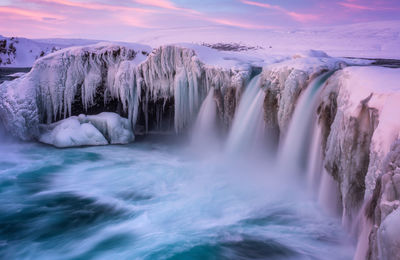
102, 19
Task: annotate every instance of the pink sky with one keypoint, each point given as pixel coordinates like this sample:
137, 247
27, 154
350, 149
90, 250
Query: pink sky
120, 19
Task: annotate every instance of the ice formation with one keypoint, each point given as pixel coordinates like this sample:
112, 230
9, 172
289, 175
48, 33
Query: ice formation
104, 128
71, 132
357, 125
88, 79
18, 109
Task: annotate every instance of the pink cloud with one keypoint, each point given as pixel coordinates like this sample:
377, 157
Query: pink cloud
32, 14
303, 17
92, 5
372, 6
294, 15
240, 24
158, 3
263, 5
355, 6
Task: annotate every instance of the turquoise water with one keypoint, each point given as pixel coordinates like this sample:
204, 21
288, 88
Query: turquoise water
155, 200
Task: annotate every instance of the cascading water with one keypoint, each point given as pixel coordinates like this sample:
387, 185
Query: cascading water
314, 165
205, 130
248, 128
301, 149
150, 200
295, 147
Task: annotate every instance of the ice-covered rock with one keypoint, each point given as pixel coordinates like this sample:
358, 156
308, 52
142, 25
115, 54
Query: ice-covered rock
285, 81
86, 76
116, 129
71, 132
176, 71
124, 79
18, 108
388, 237
104, 128
358, 113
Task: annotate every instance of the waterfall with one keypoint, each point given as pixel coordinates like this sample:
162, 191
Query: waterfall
248, 128
302, 148
295, 147
205, 130
329, 194
314, 165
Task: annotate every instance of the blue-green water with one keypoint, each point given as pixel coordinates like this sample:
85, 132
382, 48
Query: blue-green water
152, 200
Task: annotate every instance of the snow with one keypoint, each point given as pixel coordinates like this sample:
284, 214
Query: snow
231, 59
71, 132
104, 128
363, 40
367, 40
29, 50
17, 74
116, 129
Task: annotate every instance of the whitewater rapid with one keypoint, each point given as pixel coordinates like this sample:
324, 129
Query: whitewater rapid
154, 200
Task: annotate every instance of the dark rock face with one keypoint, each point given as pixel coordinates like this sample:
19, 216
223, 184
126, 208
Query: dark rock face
229, 106
155, 116
271, 115
326, 114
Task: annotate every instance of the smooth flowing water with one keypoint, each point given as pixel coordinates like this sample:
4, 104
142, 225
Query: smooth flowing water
153, 200
248, 129
205, 130
296, 145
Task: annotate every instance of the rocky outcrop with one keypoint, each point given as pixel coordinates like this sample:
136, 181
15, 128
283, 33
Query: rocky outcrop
359, 126
358, 123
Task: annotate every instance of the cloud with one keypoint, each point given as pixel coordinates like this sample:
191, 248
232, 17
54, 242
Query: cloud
91, 5
158, 3
294, 15
32, 14
240, 24
355, 6
372, 5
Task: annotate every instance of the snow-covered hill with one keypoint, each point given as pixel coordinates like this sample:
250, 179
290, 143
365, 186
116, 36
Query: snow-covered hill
367, 40
22, 52
363, 40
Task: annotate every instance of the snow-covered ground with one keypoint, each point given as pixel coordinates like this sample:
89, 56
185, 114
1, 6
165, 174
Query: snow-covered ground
22, 52
367, 40
364, 40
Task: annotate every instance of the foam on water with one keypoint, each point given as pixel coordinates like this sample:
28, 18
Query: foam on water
149, 200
